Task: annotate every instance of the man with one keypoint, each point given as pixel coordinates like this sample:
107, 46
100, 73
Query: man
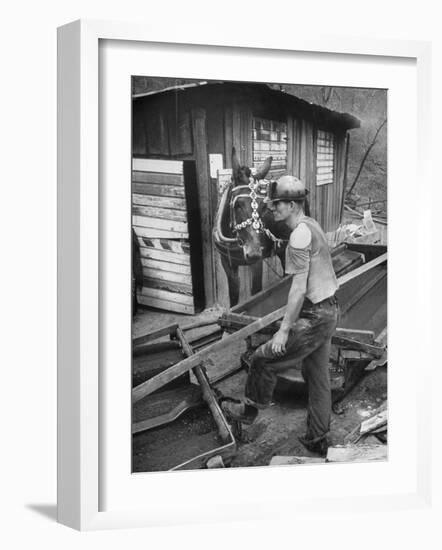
308, 324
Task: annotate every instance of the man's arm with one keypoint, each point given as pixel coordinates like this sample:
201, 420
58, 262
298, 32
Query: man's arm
296, 298
299, 256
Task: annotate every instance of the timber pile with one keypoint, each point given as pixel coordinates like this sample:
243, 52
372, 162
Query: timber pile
357, 453
376, 425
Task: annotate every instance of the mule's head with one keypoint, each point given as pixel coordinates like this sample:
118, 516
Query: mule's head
251, 240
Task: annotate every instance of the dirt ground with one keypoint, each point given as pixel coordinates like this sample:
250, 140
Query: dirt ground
274, 433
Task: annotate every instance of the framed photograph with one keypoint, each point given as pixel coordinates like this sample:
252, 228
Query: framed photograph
223, 279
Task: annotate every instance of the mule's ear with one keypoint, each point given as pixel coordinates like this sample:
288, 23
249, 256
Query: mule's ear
235, 161
262, 171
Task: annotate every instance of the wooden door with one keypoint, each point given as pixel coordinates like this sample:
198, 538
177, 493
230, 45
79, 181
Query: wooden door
167, 225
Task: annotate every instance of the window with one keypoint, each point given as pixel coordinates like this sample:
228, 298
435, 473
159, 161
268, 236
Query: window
270, 139
325, 158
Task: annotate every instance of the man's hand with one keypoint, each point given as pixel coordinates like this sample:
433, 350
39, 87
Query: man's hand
279, 341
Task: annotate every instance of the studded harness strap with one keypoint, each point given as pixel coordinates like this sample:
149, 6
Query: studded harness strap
255, 220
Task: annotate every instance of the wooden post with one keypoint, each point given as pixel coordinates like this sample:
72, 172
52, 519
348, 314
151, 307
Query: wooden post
173, 372
206, 390
202, 170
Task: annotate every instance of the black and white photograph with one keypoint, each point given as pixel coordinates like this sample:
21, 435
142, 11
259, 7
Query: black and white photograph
259, 274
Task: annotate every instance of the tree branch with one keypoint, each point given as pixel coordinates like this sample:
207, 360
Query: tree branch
364, 158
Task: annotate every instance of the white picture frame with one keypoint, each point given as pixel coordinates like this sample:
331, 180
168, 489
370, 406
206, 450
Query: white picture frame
81, 296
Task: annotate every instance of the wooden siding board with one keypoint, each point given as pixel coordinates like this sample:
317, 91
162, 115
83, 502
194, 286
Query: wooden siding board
139, 143
159, 223
246, 143
157, 165
164, 265
157, 133
167, 295
236, 131
158, 202
155, 233
164, 255
203, 177
166, 213
180, 133
165, 304
290, 146
139, 176
172, 245
167, 275
158, 190
228, 135
171, 286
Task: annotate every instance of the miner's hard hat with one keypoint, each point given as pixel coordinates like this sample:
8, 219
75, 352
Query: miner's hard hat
287, 188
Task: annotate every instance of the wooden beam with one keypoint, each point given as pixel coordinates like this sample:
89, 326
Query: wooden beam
366, 267
203, 177
363, 291
191, 398
154, 165
366, 336
208, 396
168, 330
348, 343
357, 453
173, 372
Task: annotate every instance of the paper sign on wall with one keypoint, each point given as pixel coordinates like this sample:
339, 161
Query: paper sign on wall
216, 163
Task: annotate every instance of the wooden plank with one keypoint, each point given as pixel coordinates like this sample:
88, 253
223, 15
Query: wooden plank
159, 201
291, 460
166, 305
180, 246
374, 422
155, 233
236, 129
362, 291
168, 296
170, 374
156, 212
366, 336
349, 343
156, 165
366, 267
357, 453
228, 135
158, 189
246, 135
203, 178
208, 396
167, 275
180, 132
164, 256
165, 266
159, 178
189, 397
290, 146
158, 223
170, 286
168, 330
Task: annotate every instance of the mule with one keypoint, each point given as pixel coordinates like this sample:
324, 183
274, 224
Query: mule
245, 231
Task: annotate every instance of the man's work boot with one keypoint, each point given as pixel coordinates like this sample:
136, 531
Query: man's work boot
318, 446
239, 411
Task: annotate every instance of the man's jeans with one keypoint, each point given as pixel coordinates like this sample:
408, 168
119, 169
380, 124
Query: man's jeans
309, 340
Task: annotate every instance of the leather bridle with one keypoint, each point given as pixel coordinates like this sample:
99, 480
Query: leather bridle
253, 193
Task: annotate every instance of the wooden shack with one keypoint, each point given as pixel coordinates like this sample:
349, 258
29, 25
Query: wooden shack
194, 128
